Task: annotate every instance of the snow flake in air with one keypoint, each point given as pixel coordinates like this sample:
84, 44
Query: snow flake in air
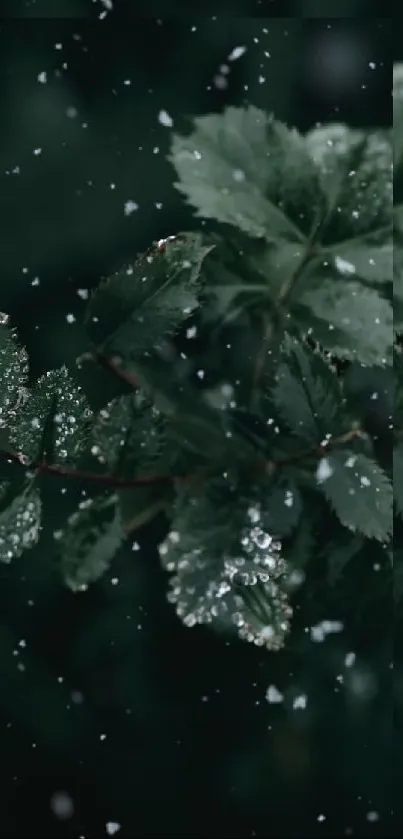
165, 119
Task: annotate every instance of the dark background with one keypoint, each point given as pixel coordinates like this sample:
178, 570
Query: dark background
110, 710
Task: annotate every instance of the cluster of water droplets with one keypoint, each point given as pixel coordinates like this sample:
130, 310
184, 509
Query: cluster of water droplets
20, 525
240, 587
13, 372
129, 428
69, 418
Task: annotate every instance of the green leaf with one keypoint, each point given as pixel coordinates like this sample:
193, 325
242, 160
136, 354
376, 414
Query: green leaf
13, 372
245, 274
227, 569
127, 435
243, 168
349, 320
90, 540
365, 259
358, 491
398, 477
20, 524
133, 310
308, 395
356, 172
53, 421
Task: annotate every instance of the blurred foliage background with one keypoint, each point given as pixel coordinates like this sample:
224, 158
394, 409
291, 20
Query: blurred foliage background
110, 710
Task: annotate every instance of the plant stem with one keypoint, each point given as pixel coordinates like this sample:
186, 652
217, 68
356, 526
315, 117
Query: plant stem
265, 466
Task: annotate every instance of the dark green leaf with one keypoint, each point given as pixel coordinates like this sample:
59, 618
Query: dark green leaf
13, 373
243, 168
20, 524
365, 259
89, 541
133, 310
228, 570
53, 420
308, 394
127, 435
349, 320
356, 170
358, 491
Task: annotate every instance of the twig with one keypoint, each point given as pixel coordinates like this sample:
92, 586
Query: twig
117, 482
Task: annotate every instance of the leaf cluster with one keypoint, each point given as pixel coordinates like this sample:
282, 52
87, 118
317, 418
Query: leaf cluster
229, 349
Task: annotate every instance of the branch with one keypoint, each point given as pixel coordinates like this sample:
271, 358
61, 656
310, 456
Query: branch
265, 466
317, 451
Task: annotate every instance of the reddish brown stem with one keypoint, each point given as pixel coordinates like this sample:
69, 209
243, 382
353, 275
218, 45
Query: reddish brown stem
143, 480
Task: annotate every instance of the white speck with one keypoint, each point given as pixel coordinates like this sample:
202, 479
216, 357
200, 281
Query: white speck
326, 627
289, 499
372, 816
201, 374
42, 77
321, 818
62, 805
83, 293
37, 151
343, 266
300, 701
238, 175
220, 82
130, 207
236, 53
364, 481
349, 659
273, 695
324, 471
350, 461
112, 828
77, 697
102, 736
165, 119
372, 65
71, 112
332, 626
70, 318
